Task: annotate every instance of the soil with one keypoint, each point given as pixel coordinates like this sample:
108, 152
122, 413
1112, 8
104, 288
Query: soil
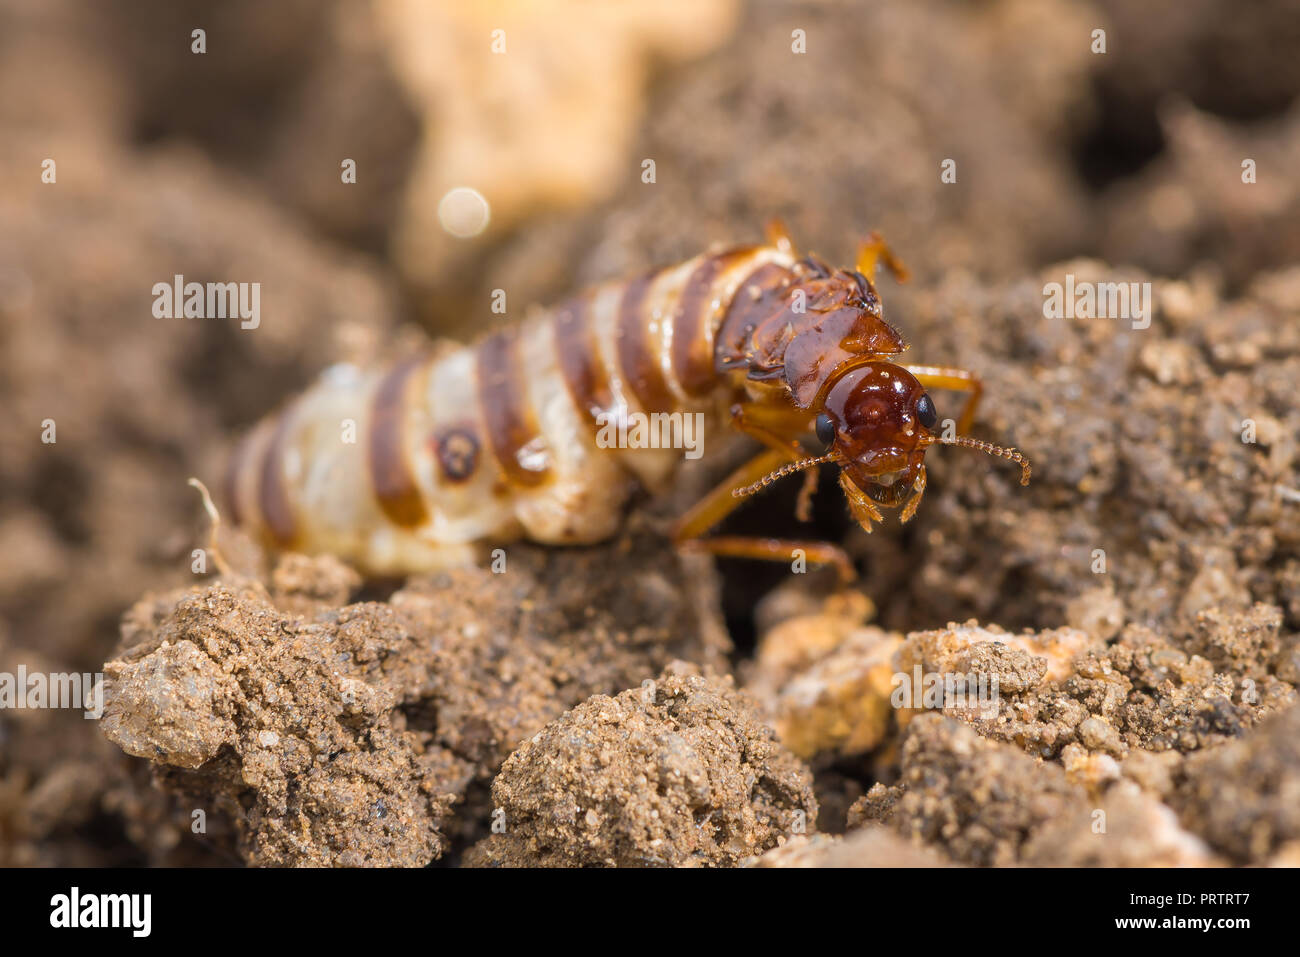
679, 772
336, 733
1138, 603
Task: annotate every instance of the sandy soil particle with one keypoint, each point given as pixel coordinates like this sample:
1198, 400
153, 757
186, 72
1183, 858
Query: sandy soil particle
677, 772
342, 734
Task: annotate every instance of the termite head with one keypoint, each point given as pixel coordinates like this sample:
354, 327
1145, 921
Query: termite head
877, 422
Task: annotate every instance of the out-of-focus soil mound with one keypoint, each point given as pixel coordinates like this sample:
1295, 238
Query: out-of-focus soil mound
108, 409
283, 94
830, 138
1245, 796
1222, 192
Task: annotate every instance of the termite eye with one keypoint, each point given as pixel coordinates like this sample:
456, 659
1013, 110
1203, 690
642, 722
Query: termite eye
825, 430
926, 412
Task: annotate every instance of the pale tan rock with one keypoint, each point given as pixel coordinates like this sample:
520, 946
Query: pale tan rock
841, 704
794, 642
834, 686
824, 678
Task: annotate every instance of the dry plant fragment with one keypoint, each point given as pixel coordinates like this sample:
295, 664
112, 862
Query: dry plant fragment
532, 105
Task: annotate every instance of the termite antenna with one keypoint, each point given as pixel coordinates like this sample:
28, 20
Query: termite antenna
1006, 453
215, 518
782, 472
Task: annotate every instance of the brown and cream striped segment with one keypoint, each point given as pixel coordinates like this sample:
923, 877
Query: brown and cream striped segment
358, 467
479, 445
647, 345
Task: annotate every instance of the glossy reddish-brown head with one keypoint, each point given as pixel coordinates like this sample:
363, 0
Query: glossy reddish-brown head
876, 420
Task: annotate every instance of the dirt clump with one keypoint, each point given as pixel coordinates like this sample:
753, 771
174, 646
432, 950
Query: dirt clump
1245, 796
847, 689
979, 799
344, 734
678, 772
1139, 692
989, 804
287, 727
825, 679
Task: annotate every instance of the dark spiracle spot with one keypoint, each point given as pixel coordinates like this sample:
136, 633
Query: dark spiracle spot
457, 450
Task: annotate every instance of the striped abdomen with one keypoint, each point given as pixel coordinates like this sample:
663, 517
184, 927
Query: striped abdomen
421, 465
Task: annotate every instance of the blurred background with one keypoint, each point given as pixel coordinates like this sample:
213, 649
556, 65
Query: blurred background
225, 165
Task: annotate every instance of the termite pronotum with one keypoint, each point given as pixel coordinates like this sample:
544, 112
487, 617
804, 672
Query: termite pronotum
476, 446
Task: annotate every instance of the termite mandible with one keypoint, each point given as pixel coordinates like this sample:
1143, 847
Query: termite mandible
465, 449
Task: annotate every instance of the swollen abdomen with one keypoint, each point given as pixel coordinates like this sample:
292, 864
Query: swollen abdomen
431, 462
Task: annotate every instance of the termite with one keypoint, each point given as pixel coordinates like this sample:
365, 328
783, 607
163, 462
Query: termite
456, 452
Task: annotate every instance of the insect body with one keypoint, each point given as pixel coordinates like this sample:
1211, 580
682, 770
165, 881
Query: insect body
458, 451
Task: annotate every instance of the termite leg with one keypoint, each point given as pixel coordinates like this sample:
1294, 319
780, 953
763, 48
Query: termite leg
773, 427
959, 380
775, 550
777, 235
874, 249
719, 503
